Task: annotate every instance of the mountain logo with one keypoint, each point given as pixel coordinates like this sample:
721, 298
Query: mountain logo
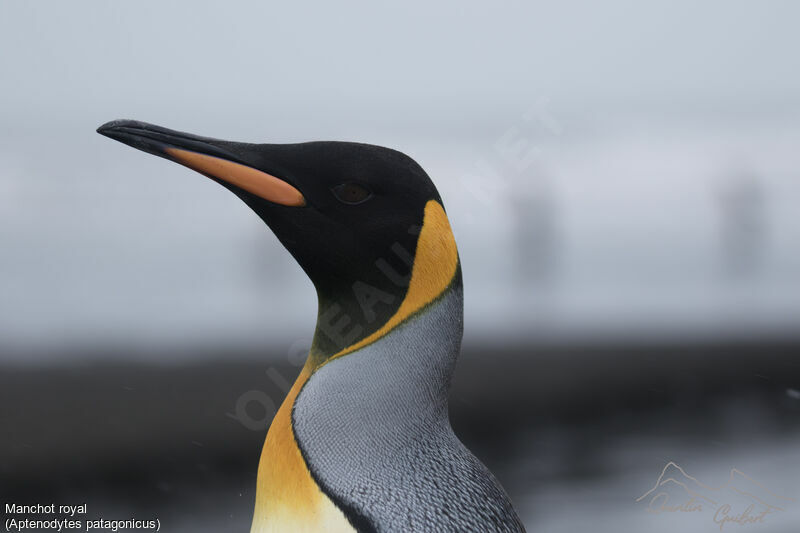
741, 499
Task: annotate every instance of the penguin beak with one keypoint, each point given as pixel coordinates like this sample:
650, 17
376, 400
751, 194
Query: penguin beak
213, 158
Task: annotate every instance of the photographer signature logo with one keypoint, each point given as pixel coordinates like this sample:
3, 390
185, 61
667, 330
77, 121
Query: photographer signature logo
740, 500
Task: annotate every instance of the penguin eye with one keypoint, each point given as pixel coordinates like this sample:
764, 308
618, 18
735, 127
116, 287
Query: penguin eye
351, 193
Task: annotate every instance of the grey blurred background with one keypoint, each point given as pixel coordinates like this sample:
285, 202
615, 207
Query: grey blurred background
623, 181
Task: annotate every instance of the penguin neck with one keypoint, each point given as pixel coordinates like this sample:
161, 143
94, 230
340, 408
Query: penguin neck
405, 374
342, 322
353, 314
337, 333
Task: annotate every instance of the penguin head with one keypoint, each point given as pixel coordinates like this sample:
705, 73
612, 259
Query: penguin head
350, 213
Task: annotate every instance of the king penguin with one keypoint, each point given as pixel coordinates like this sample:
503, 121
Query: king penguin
363, 440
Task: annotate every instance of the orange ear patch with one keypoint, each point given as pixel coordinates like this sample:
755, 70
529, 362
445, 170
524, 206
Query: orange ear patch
250, 179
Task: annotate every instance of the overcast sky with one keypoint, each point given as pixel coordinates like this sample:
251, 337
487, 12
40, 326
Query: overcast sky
298, 64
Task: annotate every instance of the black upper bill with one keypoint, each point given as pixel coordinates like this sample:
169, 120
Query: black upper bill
155, 139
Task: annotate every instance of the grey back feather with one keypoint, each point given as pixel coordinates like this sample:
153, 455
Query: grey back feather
374, 430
